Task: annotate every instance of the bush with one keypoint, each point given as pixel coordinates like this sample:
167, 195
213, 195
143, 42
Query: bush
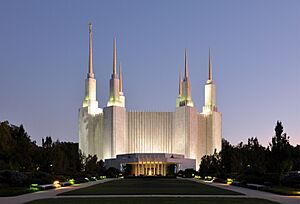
41, 178
112, 172
189, 173
180, 173
61, 178
13, 178
292, 180
251, 176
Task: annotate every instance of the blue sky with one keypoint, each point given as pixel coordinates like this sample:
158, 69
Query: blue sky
255, 50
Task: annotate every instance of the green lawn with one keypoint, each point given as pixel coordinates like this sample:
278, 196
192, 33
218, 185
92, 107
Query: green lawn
153, 200
14, 191
151, 186
282, 190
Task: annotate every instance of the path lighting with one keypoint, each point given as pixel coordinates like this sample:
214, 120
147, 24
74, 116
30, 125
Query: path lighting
72, 181
34, 187
209, 179
56, 184
229, 181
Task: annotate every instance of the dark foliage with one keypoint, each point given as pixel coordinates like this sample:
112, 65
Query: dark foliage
189, 173
171, 169
23, 162
253, 163
112, 172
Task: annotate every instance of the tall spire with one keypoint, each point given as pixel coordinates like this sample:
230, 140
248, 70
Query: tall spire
120, 78
115, 60
90, 73
209, 67
180, 84
186, 69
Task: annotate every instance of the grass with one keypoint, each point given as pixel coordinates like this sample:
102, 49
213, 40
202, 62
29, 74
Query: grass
153, 200
282, 190
14, 191
143, 186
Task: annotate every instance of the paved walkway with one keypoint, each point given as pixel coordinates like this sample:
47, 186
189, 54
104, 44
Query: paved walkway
249, 193
255, 193
46, 194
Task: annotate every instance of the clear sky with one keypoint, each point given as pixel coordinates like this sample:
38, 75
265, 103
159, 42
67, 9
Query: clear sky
255, 50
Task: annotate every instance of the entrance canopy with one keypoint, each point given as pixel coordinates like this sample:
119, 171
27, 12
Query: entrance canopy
150, 164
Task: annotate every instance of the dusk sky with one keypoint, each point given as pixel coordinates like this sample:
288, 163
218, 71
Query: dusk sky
255, 51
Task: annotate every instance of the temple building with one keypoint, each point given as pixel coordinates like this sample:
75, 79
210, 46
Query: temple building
148, 141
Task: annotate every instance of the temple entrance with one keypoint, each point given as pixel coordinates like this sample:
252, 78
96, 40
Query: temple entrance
148, 168
150, 164
150, 172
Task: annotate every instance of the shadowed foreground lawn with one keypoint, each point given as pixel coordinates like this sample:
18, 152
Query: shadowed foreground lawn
13, 191
151, 186
154, 200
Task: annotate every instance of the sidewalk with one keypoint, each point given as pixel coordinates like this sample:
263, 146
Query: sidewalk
255, 193
46, 194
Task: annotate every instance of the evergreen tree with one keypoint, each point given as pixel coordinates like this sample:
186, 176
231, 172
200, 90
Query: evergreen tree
281, 152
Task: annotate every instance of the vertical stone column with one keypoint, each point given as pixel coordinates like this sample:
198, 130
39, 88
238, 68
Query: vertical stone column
159, 166
135, 169
146, 169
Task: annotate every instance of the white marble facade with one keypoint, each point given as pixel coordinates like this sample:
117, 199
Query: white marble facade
113, 130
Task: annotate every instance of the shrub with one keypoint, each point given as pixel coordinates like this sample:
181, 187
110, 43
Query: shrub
292, 180
13, 178
189, 173
41, 178
112, 172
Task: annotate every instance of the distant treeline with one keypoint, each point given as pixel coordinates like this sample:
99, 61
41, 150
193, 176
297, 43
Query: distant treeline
18, 152
252, 162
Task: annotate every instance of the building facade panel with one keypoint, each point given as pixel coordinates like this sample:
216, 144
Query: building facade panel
149, 132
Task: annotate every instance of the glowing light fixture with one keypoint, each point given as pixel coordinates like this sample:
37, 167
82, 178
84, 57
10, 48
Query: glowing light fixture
72, 181
229, 181
56, 184
34, 187
209, 179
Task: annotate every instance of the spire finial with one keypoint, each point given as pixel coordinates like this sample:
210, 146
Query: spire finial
186, 71
115, 59
209, 67
90, 73
121, 78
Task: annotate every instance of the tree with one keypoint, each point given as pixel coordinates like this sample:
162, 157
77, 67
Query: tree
210, 165
296, 158
255, 155
227, 161
281, 151
91, 164
101, 168
6, 145
44, 159
23, 150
